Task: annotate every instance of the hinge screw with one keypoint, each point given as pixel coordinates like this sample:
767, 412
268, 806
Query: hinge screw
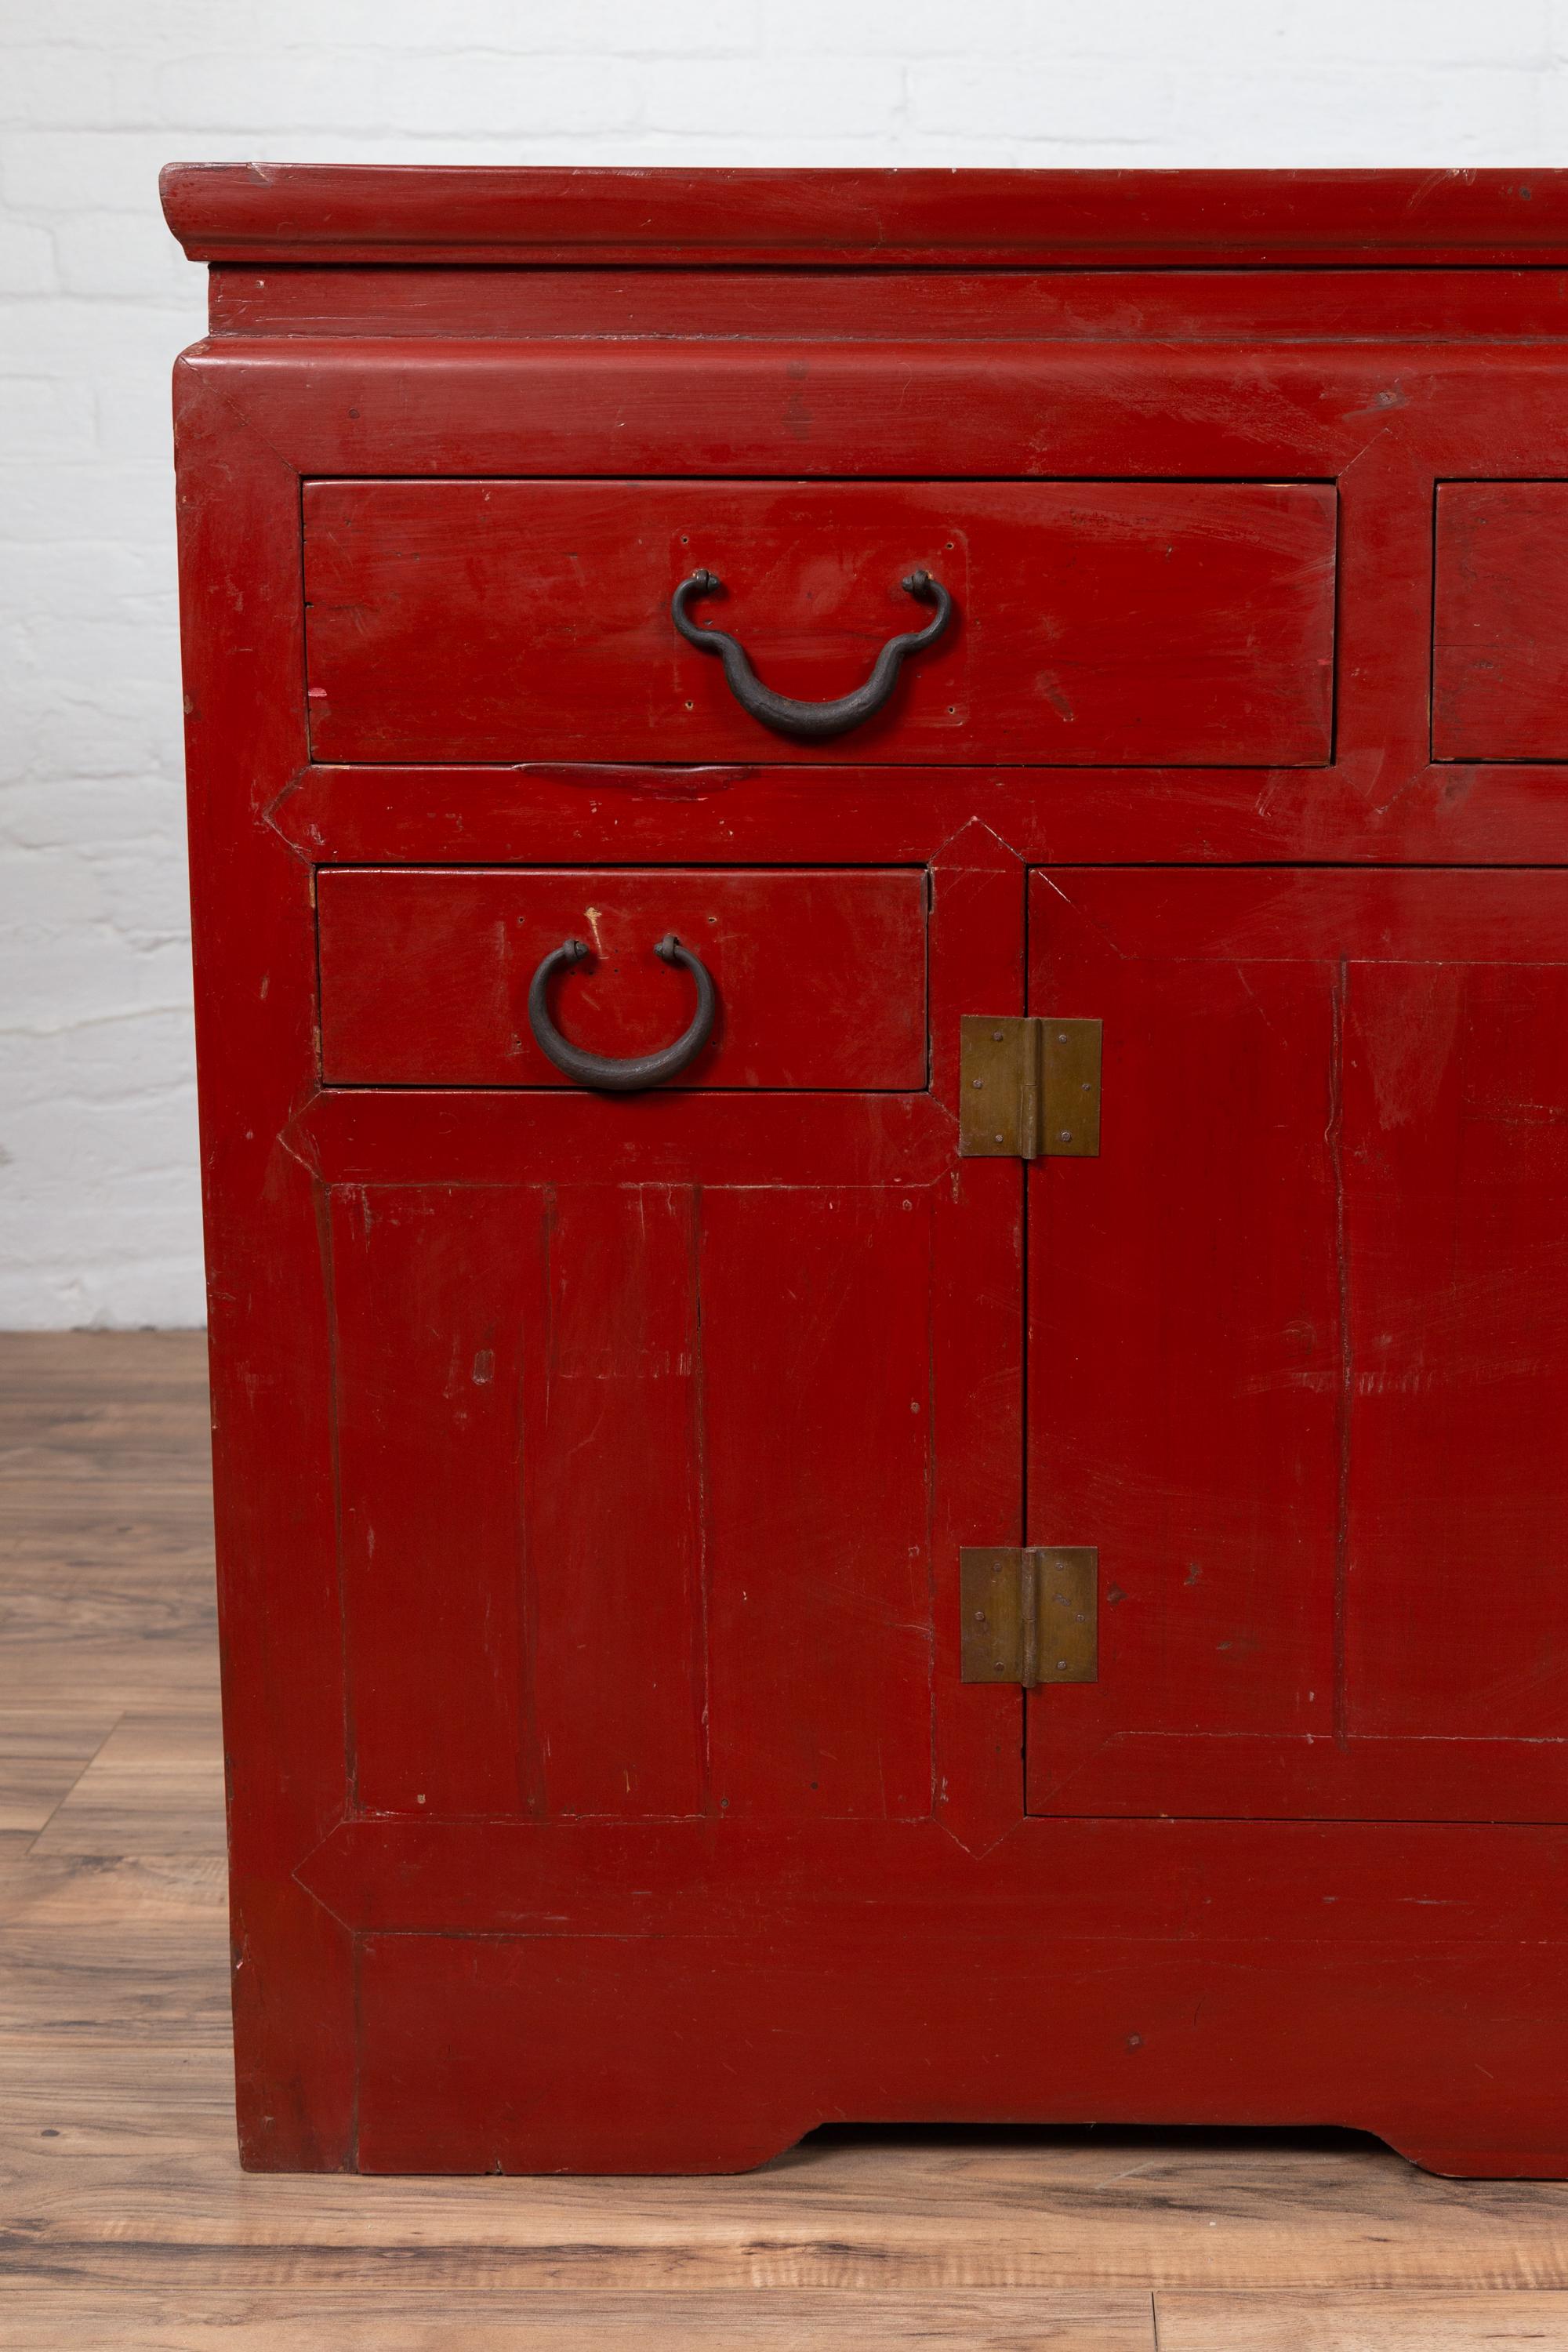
995, 1034
978, 1084
1064, 1135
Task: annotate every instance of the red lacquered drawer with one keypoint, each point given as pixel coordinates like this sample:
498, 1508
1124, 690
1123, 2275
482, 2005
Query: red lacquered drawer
819, 975
1094, 622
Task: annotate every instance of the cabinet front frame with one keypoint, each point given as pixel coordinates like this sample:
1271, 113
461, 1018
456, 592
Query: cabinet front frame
313, 1890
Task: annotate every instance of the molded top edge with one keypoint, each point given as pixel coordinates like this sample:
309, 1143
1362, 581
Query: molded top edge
329, 212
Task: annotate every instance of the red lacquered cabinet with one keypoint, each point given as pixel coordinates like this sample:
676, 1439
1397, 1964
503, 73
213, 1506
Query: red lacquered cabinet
881, 877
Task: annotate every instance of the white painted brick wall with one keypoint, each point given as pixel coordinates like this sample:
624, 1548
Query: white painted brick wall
97, 1187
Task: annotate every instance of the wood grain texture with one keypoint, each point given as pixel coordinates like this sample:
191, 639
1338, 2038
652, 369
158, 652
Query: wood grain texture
1362, 2323
106, 1533
43, 1752
1035, 2320
156, 1783
547, 2322
127, 2220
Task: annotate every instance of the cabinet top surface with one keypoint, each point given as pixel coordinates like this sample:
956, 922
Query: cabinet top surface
348, 213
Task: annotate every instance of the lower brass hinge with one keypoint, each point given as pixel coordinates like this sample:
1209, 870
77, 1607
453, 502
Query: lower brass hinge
1030, 1616
1030, 1087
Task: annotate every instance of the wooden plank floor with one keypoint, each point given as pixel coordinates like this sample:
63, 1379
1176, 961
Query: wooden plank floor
124, 2218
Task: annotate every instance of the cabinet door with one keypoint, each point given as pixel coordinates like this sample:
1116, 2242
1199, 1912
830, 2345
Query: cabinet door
633, 1525
656, 1415
1298, 1343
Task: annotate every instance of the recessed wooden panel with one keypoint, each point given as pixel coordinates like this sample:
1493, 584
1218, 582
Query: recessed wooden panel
1455, 1111
1097, 621
633, 1488
426, 1297
820, 974
519, 1498
817, 1371
1499, 668
608, 1462
1296, 1359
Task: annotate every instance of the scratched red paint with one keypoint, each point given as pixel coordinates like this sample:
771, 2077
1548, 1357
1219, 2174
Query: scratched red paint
592, 1470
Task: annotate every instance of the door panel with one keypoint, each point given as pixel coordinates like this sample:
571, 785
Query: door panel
635, 1498
1095, 622
1458, 1078
1297, 1343
817, 1380
427, 1399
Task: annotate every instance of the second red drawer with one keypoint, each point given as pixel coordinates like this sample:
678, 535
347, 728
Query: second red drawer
820, 974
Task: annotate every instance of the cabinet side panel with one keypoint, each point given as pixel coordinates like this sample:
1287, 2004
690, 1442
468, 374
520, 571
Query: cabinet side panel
279, 1613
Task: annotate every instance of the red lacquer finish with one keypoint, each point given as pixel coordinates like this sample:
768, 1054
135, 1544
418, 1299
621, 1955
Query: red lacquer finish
591, 1468
920, 219
501, 620
1499, 655
1304, 1397
652, 305
821, 976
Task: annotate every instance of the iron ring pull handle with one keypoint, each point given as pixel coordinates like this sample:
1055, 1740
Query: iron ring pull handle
783, 712
607, 1072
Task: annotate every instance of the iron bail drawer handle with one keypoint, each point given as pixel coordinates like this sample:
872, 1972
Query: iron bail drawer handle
605, 1071
783, 711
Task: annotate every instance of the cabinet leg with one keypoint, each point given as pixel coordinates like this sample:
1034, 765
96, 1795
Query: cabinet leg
539, 2055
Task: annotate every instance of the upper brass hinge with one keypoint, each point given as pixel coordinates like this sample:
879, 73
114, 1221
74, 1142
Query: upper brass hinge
1030, 1087
1029, 1616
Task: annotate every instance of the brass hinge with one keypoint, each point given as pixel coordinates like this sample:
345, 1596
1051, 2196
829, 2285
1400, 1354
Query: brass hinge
1030, 1616
1030, 1087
